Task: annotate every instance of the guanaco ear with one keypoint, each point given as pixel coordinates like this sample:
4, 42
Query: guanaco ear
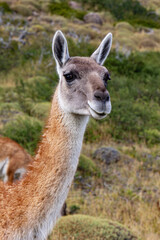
103, 50
3, 169
60, 49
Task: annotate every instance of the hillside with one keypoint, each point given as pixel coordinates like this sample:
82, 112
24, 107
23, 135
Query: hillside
126, 191
154, 5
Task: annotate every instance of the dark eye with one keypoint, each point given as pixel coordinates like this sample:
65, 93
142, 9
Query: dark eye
69, 77
17, 176
106, 78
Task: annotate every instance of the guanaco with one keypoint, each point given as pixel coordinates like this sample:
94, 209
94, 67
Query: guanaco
30, 209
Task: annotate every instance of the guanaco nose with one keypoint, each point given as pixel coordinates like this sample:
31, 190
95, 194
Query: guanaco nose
101, 96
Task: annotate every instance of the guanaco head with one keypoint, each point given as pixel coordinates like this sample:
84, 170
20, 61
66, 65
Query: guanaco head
14, 160
83, 80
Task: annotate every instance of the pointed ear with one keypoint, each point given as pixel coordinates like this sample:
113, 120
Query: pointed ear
103, 50
3, 168
60, 49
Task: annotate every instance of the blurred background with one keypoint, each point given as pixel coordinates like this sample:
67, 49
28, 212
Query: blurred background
118, 177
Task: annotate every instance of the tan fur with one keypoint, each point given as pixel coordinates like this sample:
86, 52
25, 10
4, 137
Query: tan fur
17, 156
30, 209
28, 199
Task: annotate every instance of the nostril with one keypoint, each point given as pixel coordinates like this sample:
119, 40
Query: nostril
107, 98
98, 95
101, 96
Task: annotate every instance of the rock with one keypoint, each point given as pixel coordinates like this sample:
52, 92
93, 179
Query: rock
35, 14
77, 21
95, 28
157, 158
29, 18
107, 154
93, 18
75, 5
147, 156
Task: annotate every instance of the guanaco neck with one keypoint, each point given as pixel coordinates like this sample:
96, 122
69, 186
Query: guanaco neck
32, 207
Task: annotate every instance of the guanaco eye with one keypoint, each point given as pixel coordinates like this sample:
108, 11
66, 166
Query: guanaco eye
69, 77
106, 77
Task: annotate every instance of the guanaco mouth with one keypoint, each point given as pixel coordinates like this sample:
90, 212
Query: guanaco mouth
96, 114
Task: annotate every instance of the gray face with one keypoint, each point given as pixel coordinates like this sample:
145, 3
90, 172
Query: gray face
83, 80
83, 87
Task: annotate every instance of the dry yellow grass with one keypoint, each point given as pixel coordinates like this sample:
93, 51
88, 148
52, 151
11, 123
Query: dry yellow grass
151, 4
141, 218
129, 195
137, 40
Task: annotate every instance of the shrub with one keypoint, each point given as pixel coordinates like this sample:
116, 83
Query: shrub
24, 130
88, 167
124, 25
82, 227
8, 58
62, 8
37, 88
12, 56
13, 106
73, 209
79, 48
92, 132
4, 7
40, 110
23, 9
152, 136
